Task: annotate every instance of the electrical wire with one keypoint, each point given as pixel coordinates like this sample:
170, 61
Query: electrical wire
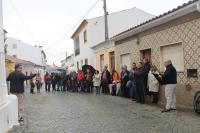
22, 21
66, 34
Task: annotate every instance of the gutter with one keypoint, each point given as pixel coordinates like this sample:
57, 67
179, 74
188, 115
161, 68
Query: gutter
179, 13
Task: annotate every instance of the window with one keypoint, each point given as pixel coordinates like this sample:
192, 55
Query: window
112, 60
77, 65
76, 46
14, 46
85, 36
126, 60
101, 62
86, 61
173, 52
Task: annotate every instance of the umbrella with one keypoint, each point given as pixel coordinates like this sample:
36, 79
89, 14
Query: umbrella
60, 69
91, 68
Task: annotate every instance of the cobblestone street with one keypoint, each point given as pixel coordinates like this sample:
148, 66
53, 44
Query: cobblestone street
85, 113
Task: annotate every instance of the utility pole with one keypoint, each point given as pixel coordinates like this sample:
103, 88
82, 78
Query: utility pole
105, 19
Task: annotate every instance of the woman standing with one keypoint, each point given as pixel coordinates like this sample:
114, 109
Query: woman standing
97, 82
153, 83
113, 87
88, 77
53, 79
80, 80
38, 82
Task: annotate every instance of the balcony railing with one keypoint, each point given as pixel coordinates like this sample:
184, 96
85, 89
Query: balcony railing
77, 51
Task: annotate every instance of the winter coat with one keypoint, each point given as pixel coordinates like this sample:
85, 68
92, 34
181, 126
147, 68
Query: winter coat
139, 78
17, 81
96, 80
108, 76
115, 76
153, 83
170, 75
80, 76
46, 77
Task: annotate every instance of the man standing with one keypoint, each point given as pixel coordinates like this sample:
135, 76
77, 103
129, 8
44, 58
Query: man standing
139, 76
105, 80
17, 79
131, 83
125, 80
170, 81
146, 68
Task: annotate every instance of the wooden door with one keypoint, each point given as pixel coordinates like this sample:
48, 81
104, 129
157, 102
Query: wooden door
112, 60
146, 54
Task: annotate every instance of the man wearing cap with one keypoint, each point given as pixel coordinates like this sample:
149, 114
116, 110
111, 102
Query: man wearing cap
17, 79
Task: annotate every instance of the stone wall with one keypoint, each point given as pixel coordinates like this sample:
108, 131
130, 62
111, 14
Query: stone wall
185, 30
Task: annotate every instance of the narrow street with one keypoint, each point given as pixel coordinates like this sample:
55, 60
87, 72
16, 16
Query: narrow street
87, 113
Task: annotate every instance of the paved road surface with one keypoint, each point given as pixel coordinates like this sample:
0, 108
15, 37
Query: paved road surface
85, 113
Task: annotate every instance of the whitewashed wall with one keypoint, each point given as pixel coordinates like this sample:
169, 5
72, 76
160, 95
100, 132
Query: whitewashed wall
25, 51
117, 23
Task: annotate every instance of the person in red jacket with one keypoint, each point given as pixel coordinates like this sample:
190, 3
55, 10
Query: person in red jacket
46, 80
80, 79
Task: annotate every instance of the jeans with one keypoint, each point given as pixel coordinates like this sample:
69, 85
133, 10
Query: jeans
97, 89
132, 88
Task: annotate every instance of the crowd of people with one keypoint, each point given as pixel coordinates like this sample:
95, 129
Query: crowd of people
143, 79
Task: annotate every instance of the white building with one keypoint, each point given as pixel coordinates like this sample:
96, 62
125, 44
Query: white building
91, 32
26, 52
8, 103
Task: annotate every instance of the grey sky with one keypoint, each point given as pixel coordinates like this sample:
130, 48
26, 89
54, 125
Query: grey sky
43, 22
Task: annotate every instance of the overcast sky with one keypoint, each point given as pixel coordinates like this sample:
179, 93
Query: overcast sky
44, 22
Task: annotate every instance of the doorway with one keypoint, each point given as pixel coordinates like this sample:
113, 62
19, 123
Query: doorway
112, 60
145, 54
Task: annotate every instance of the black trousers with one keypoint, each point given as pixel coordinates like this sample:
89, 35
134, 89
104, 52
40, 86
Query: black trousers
74, 86
155, 97
32, 90
46, 86
140, 92
105, 86
89, 86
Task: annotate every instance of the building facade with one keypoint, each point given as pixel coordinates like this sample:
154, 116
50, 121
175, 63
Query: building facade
25, 51
91, 32
173, 35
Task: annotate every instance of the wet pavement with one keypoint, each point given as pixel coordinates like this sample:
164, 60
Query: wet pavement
87, 113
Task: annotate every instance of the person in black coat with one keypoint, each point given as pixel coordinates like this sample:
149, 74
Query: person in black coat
125, 89
32, 85
17, 79
170, 81
139, 80
105, 80
146, 67
53, 81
